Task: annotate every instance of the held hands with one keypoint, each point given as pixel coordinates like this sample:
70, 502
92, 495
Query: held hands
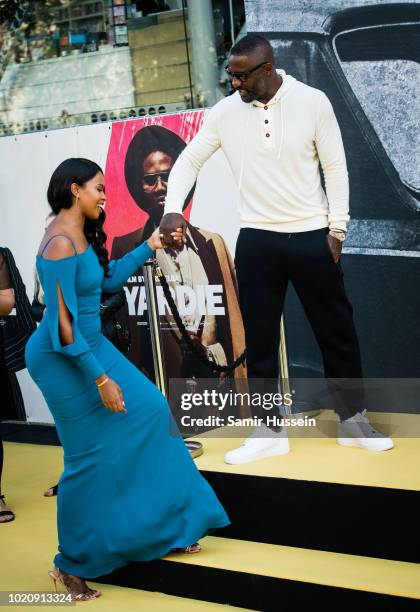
173, 222
111, 394
158, 241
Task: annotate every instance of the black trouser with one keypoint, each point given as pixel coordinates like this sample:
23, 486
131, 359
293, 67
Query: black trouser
265, 262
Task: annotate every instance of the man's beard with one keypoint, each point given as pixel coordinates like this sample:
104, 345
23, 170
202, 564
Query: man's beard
248, 97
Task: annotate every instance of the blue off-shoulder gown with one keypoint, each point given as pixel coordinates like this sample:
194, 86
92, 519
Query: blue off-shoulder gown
130, 490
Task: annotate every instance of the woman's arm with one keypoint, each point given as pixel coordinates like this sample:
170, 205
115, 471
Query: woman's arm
59, 279
121, 269
61, 248
64, 321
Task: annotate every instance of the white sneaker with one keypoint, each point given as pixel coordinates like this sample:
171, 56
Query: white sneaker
357, 431
256, 447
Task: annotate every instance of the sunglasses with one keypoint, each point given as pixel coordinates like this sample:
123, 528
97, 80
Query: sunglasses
242, 76
151, 179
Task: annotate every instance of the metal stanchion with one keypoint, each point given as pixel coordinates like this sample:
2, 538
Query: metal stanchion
285, 377
284, 363
150, 271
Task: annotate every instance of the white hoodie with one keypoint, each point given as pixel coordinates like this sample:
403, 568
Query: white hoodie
274, 151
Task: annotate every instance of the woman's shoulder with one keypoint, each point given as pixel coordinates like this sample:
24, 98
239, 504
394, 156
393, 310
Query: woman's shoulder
58, 245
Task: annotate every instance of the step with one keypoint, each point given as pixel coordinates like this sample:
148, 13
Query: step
249, 574
344, 500
321, 459
334, 498
266, 577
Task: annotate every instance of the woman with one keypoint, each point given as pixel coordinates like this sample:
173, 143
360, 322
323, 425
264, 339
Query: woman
109, 306
130, 490
7, 303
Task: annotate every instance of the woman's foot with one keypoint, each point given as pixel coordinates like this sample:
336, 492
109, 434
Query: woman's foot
6, 515
77, 587
51, 491
193, 548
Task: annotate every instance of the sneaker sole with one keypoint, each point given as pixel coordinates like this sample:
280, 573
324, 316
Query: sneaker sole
261, 455
359, 443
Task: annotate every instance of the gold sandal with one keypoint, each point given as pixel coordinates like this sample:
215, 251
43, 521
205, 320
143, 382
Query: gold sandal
192, 548
52, 491
5, 513
57, 575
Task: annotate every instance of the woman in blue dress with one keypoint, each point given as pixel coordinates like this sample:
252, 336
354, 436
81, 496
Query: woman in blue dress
130, 490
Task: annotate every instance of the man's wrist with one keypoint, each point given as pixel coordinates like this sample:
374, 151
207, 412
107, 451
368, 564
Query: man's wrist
339, 234
170, 210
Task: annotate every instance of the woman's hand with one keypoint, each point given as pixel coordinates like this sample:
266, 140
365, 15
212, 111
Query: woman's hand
111, 394
156, 240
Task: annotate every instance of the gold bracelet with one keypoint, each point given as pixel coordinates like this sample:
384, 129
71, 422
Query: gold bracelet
101, 384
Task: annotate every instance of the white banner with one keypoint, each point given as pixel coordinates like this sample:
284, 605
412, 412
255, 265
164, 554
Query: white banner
28, 161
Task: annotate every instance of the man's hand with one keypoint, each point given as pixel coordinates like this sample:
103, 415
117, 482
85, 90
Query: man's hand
157, 241
169, 224
335, 246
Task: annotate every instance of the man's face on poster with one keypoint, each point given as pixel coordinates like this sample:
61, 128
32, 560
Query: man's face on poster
155, 173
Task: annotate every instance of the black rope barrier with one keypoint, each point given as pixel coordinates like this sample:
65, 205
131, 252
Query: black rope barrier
185, 335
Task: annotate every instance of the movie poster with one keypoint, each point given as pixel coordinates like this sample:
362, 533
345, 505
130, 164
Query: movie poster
200, 276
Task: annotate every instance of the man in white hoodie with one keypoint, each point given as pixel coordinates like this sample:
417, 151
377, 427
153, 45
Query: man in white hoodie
275, 131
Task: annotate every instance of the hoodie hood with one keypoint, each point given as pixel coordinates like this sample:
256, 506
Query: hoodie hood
283, 90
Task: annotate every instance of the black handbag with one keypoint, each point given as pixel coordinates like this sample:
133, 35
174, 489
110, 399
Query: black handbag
117, 334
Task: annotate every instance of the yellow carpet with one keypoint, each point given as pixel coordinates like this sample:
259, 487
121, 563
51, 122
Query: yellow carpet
28, 544
322, 459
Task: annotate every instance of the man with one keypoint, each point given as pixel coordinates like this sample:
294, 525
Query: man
204, 262
274, 131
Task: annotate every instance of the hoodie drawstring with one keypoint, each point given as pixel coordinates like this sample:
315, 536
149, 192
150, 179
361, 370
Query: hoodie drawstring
281, 130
